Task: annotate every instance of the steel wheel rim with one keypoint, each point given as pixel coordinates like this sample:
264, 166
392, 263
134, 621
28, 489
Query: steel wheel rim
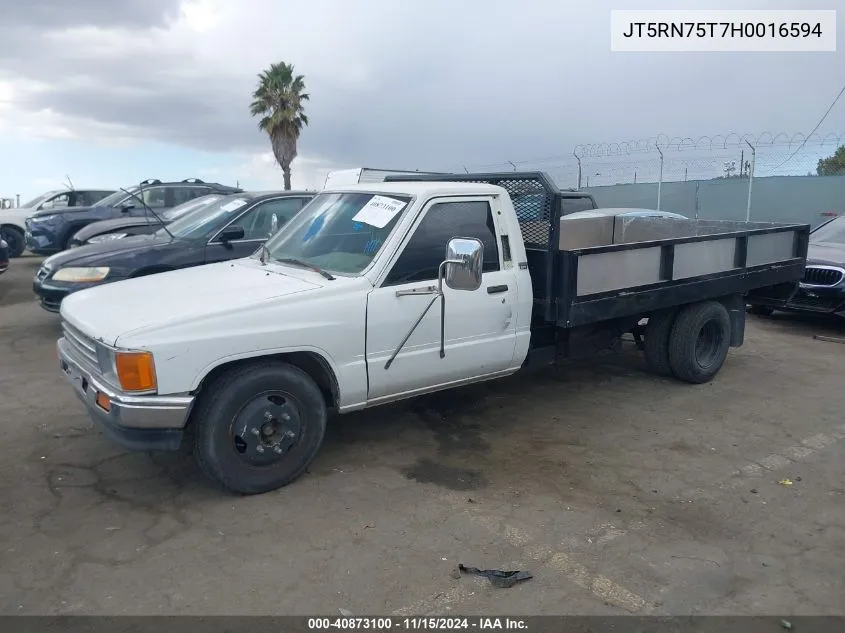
266, 429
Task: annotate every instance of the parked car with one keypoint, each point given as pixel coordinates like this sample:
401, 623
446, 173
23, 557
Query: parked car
124, 227
4, 256
234, 226
13, 221
822, 290
380, 292
50, 230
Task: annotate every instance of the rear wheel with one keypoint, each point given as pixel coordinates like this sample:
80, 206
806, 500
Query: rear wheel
699, 341
13, 236
656, 346
258, 427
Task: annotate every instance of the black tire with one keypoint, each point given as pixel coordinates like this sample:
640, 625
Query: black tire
231, 459
760, 310
656, 346
15, 239
699, 341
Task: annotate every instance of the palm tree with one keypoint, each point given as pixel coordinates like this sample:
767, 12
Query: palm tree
279, 100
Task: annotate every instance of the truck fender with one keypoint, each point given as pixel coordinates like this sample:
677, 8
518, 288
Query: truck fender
313, 361
735, 305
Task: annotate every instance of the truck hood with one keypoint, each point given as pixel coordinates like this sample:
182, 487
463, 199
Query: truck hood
826, 253
113, 310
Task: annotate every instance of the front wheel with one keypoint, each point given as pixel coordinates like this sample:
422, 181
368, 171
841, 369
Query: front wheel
258, 427
699, 341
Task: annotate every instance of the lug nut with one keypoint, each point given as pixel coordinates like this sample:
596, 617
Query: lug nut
259, 449
254, 431
278, 450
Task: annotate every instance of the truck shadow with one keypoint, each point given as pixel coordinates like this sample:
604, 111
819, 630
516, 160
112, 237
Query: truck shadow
458, 438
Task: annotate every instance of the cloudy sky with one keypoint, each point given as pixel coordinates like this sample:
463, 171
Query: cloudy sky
115, 91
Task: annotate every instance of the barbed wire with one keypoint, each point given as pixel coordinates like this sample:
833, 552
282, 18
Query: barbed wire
684, 158
705, 143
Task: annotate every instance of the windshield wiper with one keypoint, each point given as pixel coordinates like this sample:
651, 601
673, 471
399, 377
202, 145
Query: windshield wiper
298, 262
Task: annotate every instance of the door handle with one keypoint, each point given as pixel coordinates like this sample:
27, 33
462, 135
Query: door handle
419, 290
492, 290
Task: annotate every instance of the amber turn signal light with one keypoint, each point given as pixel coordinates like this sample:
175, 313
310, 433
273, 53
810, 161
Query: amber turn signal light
103, 401
135, 371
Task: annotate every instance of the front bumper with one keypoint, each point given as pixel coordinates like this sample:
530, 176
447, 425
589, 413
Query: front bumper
818, 300
41, 240
140, 423
51, 293
815, 300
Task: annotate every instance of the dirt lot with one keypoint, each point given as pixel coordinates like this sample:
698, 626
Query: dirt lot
620, 491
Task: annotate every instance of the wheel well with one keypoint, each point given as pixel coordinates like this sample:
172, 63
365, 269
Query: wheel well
8, 225
312, 364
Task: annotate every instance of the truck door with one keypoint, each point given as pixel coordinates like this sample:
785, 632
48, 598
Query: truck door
480, 331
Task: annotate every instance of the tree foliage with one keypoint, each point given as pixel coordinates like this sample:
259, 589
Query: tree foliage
279, 100
832, 165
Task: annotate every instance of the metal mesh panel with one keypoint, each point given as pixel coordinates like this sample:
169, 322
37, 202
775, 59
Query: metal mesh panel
530, 195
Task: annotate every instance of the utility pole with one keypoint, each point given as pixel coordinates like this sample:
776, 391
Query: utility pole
579, 169
750, 181
659, 182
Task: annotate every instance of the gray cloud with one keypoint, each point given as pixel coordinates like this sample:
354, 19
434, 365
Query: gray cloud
447, 84
65, 13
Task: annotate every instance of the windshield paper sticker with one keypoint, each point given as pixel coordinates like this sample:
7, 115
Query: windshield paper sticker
379, 211
234, 204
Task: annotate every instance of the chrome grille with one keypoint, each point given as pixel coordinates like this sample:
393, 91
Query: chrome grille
83, 345
822, 276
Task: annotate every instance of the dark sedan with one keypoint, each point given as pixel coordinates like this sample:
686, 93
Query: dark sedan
119, 228
823, 288
234, 226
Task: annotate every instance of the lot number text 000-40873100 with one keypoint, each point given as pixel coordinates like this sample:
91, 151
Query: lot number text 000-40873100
729, 30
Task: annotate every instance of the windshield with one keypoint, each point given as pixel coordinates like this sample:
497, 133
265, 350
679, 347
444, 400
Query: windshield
112, 200
339, 232
36, 201
205, 220
833, 231
190, 205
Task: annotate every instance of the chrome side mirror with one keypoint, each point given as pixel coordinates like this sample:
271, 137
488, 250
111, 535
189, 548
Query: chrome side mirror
464, 260
274, 224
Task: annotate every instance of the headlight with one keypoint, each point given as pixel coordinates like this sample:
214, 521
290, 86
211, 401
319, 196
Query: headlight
107, 237
41, 218
92, 273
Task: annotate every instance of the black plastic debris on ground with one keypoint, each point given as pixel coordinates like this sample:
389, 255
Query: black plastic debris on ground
497, 577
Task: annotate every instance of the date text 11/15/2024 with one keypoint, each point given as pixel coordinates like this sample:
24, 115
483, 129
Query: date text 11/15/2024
415, 623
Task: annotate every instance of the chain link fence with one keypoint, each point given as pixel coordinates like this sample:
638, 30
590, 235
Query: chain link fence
778, 177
